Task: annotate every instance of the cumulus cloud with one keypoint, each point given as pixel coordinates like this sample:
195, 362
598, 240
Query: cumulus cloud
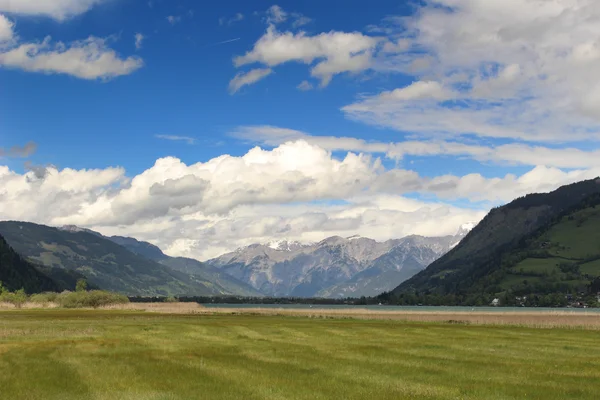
519, 70
248, 78
297, 190
6, 29
57, 9
334, 52
276, 15
506, 154
86, 59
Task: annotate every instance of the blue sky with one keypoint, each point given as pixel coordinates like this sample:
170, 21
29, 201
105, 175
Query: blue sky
181, 90
143, 118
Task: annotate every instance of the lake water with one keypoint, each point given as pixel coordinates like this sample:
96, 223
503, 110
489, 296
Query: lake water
406, 308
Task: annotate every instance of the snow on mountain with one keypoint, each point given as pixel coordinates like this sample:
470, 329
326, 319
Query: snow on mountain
335, 266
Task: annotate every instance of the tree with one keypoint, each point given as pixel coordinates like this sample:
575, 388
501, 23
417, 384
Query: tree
81, 285
17, 298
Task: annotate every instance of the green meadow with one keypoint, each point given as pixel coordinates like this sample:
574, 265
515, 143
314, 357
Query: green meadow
81, 354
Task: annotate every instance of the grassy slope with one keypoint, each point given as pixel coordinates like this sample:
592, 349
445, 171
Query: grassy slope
478, 256
104, 263
574, 240
108, 355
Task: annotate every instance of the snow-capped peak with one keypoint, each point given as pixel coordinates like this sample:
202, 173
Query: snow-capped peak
284, 245
465, 228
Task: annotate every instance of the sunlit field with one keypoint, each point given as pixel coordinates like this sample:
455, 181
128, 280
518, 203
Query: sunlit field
116, 354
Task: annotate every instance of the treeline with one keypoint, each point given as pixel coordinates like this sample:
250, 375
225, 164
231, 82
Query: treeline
80, 298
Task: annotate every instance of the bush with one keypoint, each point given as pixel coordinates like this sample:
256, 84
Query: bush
48, 297
171, 299
94, 299
17, 298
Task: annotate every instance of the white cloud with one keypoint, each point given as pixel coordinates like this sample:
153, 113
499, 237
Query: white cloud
300, 20
57, 9
304, 86
236, 18
6, 29
210, 207
276, 15
247, 78
187, 139
517, 69
85, 59
507, 154
335, 52
139, 40
174, 19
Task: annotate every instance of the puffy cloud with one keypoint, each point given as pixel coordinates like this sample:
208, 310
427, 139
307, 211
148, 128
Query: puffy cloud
296, 190
507, 154
334, 52
276, 15
57, 9
6, 29
518, 69
85, 59
248, 78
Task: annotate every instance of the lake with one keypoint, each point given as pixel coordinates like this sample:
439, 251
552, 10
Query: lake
406, 308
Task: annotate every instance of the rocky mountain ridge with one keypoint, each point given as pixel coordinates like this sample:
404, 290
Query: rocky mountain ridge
336, 266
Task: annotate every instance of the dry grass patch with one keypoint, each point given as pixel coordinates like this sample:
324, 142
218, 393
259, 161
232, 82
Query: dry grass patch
167, 308
551, 319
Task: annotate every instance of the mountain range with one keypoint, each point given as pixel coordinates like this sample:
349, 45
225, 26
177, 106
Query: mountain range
335, 267
540, 246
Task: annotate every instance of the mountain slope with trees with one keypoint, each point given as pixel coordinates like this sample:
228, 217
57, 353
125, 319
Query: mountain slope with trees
222, 282
16, 273
538, 245
104, 263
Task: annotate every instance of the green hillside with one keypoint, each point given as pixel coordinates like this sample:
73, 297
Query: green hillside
219, 281
104, 263
16, 273
540, 247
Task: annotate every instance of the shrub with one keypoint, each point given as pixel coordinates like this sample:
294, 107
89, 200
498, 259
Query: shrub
48, 297
94, 299
17, 298
171, 299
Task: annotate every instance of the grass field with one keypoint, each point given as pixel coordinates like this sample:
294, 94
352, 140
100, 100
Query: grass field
75, 354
